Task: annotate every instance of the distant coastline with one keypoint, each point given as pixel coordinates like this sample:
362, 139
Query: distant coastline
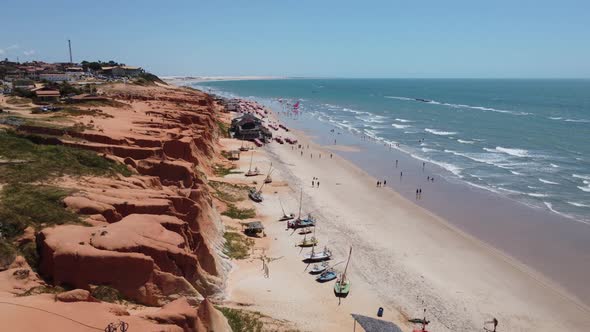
183, 80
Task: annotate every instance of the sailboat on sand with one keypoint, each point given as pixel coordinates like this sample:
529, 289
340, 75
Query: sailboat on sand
285, 216
314, 256
243, 148
300, 222
342, 286
311, 242
256, 195
252, 172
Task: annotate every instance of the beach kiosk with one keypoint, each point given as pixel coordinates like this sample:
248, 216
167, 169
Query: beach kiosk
370, 324
253, 228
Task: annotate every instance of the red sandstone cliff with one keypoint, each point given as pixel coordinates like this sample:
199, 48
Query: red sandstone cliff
155, 236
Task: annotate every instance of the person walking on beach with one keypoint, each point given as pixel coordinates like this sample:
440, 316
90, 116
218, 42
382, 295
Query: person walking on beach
428, 178
318, 184
377, 183
420, 193
302, 153
400, 175
312, 183
330, 156
396, 163
384, 183
423, 165
416, 194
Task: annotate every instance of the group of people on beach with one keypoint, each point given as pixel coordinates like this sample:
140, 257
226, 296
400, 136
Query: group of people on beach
315, 183
381, 183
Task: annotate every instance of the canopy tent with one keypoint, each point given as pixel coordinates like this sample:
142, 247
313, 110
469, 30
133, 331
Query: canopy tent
370, 324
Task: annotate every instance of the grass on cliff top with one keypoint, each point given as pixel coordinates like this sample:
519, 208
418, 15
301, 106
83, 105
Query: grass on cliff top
23, 205
228, 192
37, 162
235, 212
237, 246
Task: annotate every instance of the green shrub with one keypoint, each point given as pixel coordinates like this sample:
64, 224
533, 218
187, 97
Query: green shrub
242, 320
236, 245
107, 294
7, 253
237, 213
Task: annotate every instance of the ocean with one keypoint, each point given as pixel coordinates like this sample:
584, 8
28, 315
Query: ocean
528, 140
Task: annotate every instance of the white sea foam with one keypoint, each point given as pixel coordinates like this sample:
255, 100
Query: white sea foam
515, 172
486, 158
578, 204
465, 142
577, 120
403, 120
427, 150
480, 108
547, 181
537, 195
585, 188
399, 126
399, 98
510, 151
550, 207
555, 117
440, 132
554, 166
584, 177
511, 191
355, 111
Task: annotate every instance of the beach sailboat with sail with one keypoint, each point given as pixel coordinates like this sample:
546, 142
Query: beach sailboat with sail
285, 216
311, 242
256, 195
300, 222
252, 172
243, 148
342, 286
268, 179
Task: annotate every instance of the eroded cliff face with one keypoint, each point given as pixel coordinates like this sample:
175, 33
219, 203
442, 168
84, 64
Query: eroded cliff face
155, 235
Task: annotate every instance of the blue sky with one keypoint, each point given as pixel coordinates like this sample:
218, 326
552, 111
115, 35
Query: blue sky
409, 38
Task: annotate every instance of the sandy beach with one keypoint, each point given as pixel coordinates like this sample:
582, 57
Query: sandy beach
404, 258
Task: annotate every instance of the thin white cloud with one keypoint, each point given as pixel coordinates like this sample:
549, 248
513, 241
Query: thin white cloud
12, 47
2, 51
29, 53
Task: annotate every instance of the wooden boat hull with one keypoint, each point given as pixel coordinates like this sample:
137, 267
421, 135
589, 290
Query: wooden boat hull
308, 244
342, 289
325, 277
255, 197
252, 174
317, 257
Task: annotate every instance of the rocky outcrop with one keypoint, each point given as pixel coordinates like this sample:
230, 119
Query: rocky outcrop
76, 295
204, 319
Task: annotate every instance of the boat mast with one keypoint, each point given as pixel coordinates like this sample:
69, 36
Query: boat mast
250, 167
300, 200
348, 261
281, 203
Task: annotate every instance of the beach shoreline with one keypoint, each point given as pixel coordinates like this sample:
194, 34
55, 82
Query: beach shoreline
418, 277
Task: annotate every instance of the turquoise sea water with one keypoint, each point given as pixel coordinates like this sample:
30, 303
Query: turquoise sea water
528, 140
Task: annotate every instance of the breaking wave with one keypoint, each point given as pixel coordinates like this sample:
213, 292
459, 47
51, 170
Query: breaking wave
440, 132
510, 151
